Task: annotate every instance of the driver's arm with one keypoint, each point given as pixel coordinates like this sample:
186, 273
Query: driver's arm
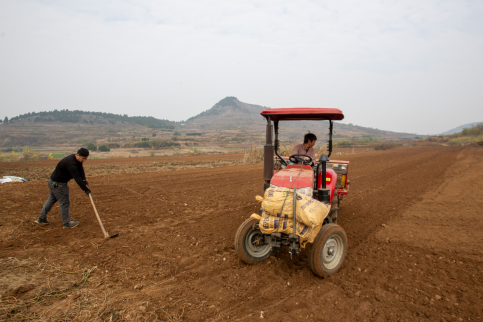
311, 154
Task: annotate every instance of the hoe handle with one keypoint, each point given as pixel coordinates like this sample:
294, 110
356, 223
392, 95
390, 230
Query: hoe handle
106, 235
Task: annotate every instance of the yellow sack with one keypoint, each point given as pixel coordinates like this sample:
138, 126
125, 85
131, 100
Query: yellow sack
309, 236
271, 224
310, 211
274, 200
307, 233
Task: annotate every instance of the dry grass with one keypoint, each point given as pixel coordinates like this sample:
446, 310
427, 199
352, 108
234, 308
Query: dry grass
253, 155
286, 150
54, 293
33, 174
322, 151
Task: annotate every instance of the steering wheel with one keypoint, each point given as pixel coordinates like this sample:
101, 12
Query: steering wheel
294, 158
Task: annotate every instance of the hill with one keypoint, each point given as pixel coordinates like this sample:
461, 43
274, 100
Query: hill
460, 128
229, 124
80, 128
76, 116
469, 136
232, 114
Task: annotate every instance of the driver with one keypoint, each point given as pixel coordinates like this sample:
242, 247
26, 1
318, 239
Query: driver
307, 147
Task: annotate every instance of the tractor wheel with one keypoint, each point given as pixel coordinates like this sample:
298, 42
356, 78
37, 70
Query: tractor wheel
334, 208
248, 245
328, 250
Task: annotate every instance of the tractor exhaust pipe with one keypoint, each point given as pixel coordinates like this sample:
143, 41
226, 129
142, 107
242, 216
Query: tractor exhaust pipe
268, 156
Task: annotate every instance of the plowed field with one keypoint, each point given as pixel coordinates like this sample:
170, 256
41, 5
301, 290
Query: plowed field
413, 219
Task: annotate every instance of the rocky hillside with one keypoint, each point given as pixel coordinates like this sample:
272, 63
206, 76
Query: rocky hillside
230, 113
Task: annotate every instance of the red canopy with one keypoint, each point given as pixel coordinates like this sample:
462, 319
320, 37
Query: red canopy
303, 113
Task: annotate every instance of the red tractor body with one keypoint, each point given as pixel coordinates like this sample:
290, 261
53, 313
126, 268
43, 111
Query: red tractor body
323, 180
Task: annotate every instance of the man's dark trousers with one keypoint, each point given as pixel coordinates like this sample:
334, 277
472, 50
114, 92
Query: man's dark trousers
58, 192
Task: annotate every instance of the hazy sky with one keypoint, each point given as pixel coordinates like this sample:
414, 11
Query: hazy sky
406, 66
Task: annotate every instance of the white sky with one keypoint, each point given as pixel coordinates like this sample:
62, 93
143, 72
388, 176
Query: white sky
405, 66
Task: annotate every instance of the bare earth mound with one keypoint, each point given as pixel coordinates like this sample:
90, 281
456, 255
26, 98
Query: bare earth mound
413, 219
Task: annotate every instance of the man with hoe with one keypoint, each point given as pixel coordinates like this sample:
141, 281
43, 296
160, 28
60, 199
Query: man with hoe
68, 168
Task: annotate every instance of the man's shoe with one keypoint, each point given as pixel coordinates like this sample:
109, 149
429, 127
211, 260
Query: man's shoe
71, 224
42, 221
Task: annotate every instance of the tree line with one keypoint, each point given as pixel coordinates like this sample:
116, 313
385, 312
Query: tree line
76, 116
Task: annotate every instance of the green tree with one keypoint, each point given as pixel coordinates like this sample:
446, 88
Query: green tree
154, 134
91, 147
5, 120
104, 148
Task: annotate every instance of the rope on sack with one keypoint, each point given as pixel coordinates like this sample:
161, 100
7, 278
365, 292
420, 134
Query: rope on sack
283, 204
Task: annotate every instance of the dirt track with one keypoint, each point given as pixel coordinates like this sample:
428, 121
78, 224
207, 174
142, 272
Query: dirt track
412, 216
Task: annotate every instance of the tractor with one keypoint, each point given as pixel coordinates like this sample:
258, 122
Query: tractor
323, 180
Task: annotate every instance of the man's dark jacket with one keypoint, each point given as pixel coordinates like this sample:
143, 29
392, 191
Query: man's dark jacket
69, 168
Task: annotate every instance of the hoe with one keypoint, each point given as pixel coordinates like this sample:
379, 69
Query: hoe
326, 182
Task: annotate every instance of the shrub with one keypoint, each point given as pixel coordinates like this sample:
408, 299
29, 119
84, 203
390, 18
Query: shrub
104, 148
26, 154
13, 156
113, 145
2, 157
50, 157
91, 147
384, 146
194, 134
142, 144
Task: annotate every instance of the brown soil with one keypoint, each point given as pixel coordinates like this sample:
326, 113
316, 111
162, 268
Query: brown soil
124, 161
412, 218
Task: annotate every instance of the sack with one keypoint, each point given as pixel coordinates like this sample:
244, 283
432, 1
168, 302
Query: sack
278, 202
277, 198
272, 224
307, 234
311, 211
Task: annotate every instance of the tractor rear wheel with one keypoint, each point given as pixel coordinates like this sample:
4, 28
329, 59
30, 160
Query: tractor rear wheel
249, 243
328, 250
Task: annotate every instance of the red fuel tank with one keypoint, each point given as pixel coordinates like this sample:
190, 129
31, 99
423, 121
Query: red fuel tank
291, 177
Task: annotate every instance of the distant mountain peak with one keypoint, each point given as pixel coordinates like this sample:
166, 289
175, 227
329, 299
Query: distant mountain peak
228, 107
228, 101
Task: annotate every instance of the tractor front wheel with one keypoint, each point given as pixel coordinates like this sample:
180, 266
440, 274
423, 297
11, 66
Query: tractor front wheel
249, 243
328, 250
